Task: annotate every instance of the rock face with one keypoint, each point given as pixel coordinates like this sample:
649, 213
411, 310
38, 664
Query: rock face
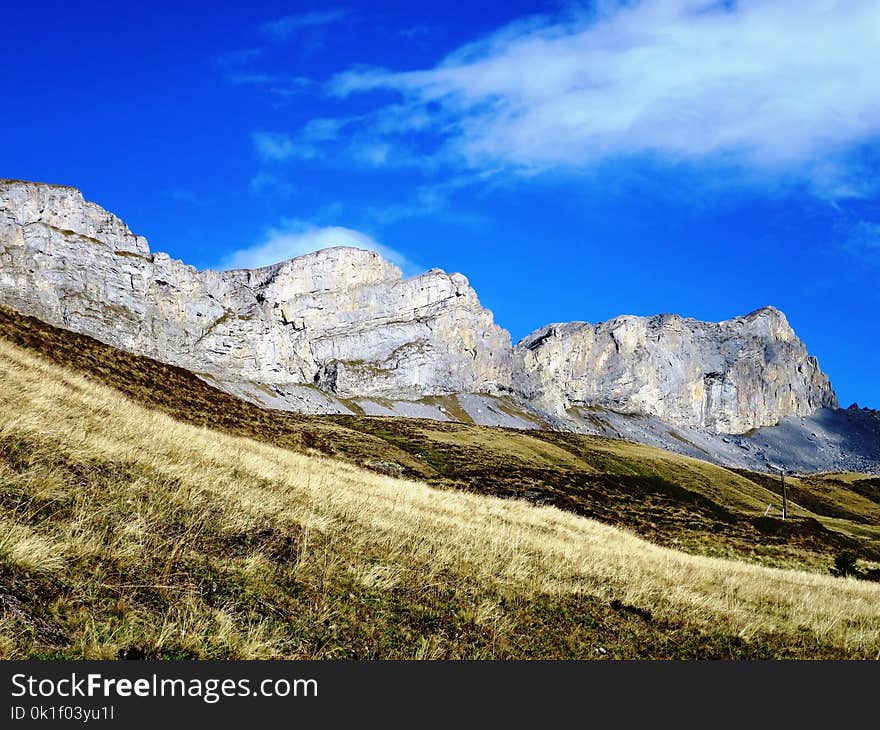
341, 318
730, 376
342, 323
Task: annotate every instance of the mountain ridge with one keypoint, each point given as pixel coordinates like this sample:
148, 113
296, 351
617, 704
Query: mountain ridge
341, 329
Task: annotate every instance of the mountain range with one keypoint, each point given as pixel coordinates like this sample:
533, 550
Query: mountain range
342, 331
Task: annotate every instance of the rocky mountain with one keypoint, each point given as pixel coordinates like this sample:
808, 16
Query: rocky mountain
341, 319
341, 331
727, 377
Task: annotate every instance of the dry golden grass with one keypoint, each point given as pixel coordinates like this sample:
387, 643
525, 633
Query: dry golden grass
670, 500
522, 446
382, 530
22, 546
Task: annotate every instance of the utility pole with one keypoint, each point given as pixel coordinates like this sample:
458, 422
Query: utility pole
781, 471
784, 496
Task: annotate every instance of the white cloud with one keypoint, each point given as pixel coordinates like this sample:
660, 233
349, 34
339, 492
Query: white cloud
296, 238
290, 24
787, 85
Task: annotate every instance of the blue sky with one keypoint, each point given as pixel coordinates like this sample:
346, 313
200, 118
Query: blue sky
574, 160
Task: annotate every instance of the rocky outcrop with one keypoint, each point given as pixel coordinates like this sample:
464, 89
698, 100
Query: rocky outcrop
343, 319
729, 376
323, 332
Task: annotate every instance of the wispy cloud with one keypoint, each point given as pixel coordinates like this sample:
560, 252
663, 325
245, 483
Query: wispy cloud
787, 86
297, 238
282, 28
349, 139
267, 182
252, 78
182, 195
433, 200
419, 32
277, 146
862, 238
277, 84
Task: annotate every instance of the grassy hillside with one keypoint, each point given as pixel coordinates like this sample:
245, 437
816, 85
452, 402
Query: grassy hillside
671, 499
223, 531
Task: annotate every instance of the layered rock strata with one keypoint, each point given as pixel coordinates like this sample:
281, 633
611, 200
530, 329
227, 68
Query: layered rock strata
729, 376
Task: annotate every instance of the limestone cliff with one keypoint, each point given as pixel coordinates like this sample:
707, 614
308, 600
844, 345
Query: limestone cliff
342, 323
341, 318
729, 376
